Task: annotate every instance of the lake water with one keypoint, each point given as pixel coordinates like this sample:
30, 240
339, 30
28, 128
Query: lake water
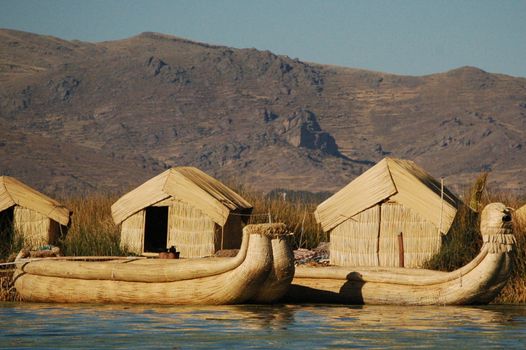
53, 326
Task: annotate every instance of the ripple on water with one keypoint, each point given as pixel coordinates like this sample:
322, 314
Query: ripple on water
253, 326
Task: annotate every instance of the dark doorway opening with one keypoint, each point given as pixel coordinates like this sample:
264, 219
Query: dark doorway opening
156, 229
6, 221
6, 232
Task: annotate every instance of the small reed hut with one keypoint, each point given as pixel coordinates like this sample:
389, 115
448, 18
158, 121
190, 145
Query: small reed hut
182, 207
394, 214
30, 215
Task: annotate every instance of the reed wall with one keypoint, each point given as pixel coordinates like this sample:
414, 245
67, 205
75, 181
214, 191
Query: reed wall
421, 239
33, 228
371, 238
191, 231
355, 241
132, 233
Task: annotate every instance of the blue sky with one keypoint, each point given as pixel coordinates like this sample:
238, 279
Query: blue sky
410, 37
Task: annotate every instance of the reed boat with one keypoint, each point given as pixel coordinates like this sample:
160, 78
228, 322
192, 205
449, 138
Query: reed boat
250, 275
282, 271
478, 282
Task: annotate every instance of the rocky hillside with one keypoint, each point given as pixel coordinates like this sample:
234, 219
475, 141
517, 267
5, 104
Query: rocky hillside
78, 116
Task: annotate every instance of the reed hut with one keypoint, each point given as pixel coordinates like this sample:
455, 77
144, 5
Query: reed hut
181, 207
30, 215
392, 215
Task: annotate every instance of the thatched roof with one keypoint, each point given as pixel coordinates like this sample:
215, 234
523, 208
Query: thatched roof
14, 192
187, 184
399, 180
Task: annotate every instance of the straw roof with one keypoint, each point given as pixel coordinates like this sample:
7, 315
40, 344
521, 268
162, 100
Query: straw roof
399, 180
14, 192
187, 184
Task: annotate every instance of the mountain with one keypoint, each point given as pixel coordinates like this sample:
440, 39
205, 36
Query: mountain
78, 116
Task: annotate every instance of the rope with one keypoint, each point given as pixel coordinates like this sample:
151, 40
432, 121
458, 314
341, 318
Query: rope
21, 261
257, 214
267, 215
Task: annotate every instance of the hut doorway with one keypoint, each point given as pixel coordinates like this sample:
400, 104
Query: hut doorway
6, 231
6, 221
156, 229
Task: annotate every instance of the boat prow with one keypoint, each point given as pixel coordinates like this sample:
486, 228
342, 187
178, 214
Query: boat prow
280, 276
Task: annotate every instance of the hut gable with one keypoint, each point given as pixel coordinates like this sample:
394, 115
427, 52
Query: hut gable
16, 193
370, 188
186, 184
141, 197
401, 181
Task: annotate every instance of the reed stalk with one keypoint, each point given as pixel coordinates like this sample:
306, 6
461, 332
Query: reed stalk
92, 231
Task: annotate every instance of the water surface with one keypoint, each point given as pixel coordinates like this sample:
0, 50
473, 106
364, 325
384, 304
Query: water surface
54, 326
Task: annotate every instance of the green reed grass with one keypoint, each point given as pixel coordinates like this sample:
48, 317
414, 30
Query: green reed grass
92, 231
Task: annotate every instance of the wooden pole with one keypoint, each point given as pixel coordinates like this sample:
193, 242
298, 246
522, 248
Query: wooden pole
378, 234
401, 249
222, 235
441, 204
